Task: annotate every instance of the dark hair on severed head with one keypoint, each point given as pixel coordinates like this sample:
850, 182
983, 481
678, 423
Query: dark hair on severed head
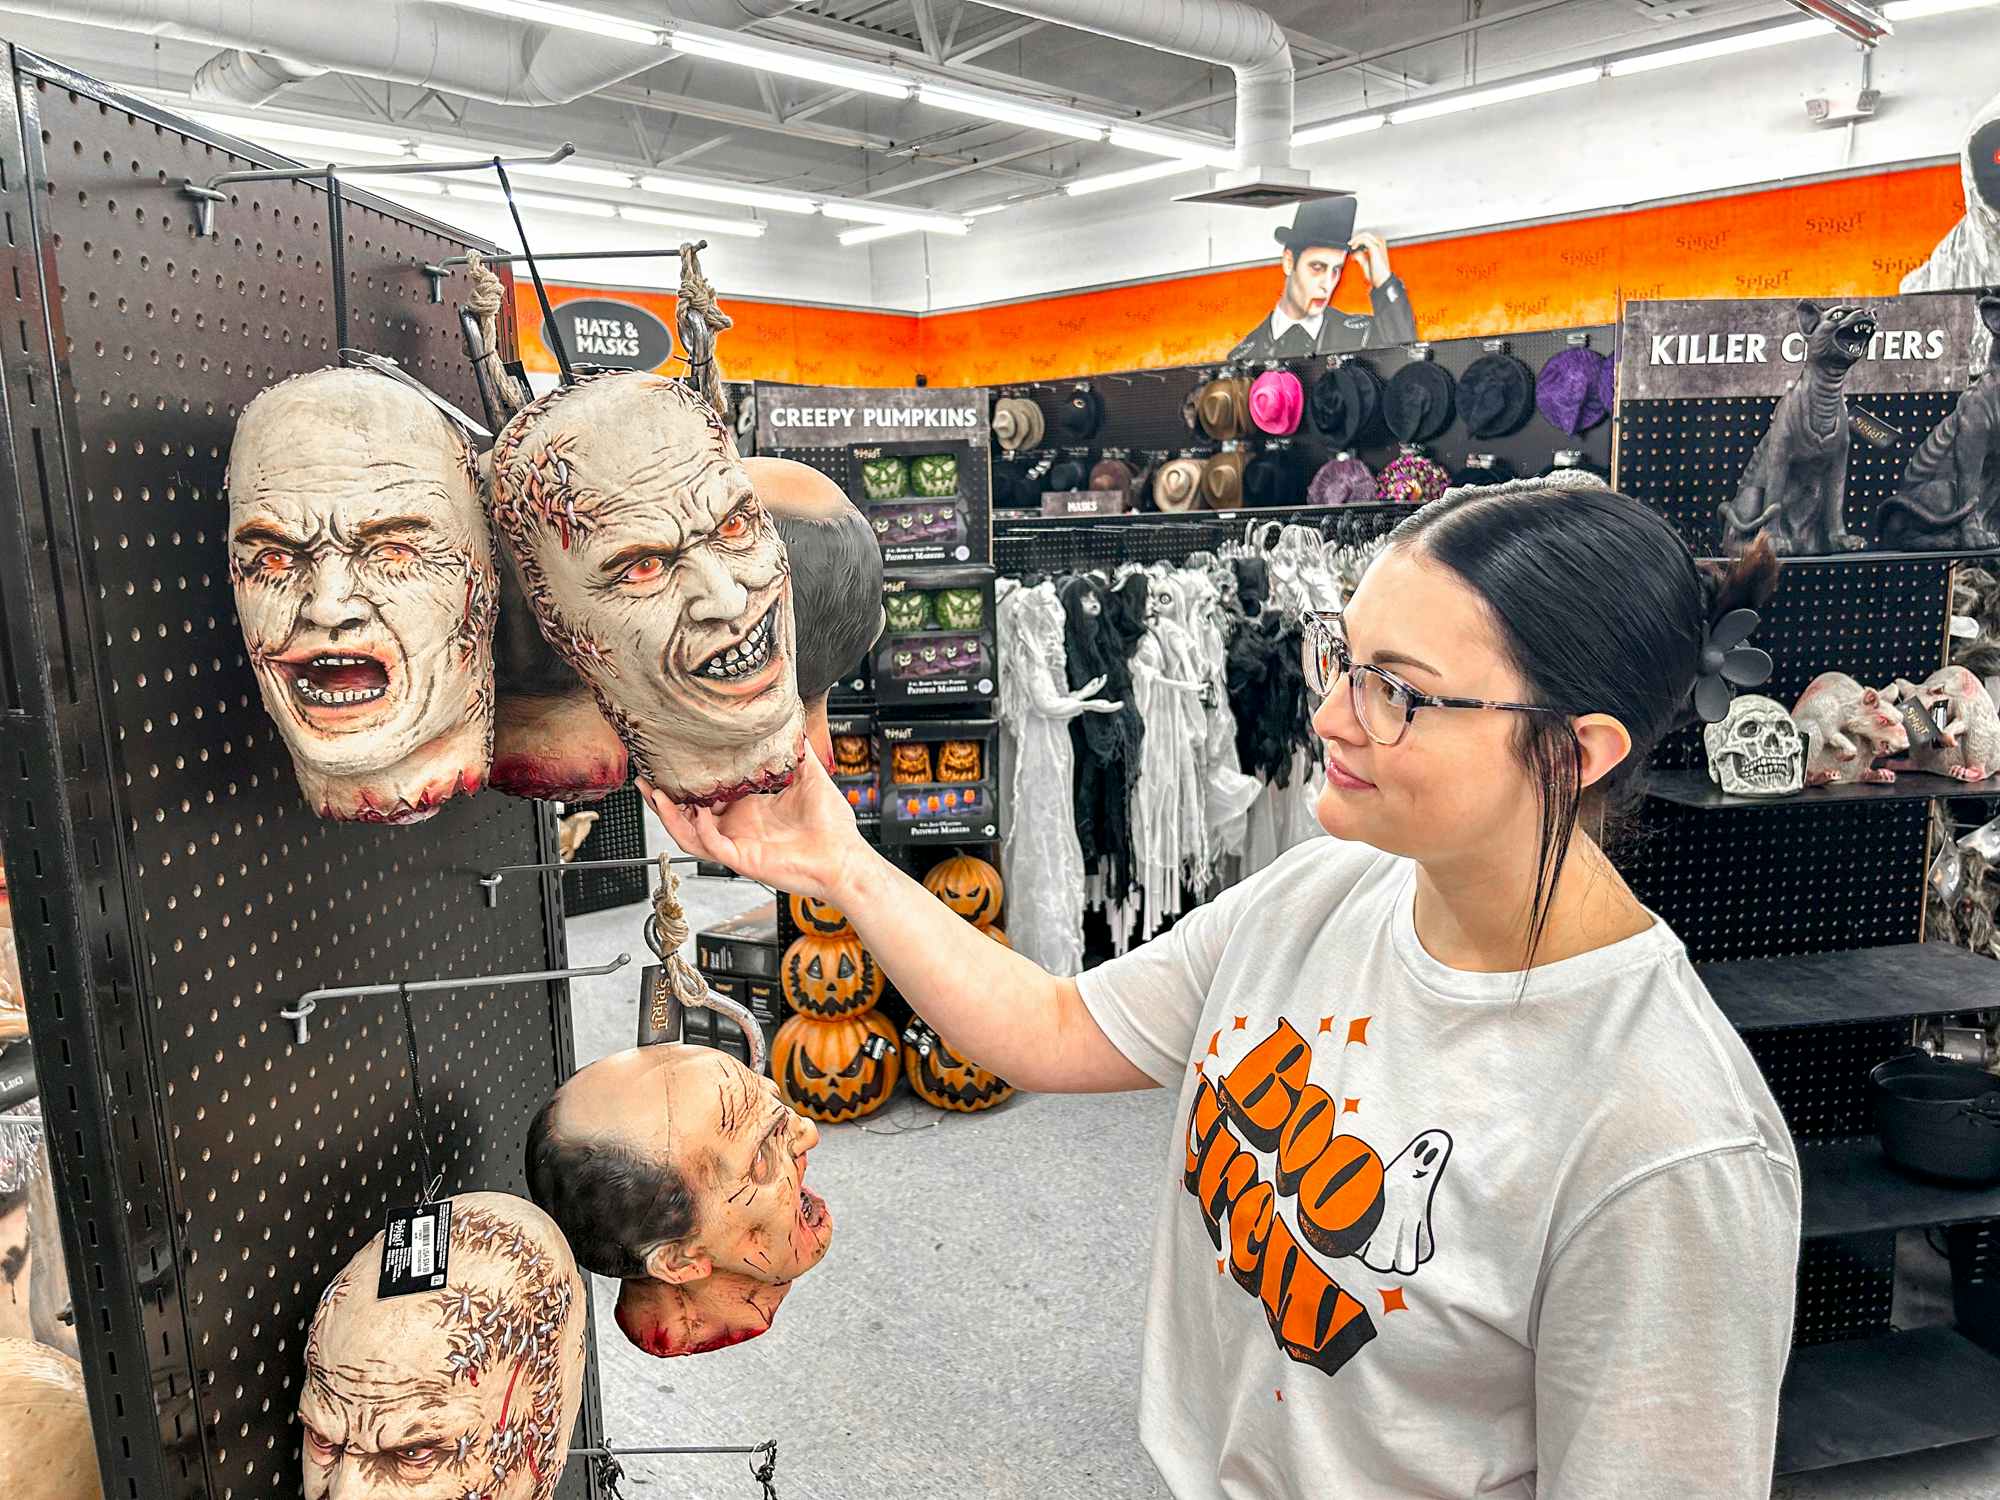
1601, 609
613, 1204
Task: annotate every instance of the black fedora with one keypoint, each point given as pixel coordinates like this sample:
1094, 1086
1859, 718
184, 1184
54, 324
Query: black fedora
1081, 414
1070, 474
1496, 396
1417, 404
1320, 221
1346, 403
1274, 477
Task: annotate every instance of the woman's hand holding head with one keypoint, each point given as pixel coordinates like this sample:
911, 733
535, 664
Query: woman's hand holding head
801, 840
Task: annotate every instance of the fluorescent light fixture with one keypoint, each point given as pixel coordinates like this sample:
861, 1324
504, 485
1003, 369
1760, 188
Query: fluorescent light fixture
569, 18
1527, 88
582, 208
906, 218
793, 64
1104, 182
749, 229
722, 192
1177, 147
1910, 10
1748, 41
1012, 112
1334, 130
990, 208
561, 171
874, 232
286, 132
1864, 23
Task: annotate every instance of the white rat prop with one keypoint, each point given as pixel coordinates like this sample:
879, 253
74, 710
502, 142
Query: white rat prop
1847, 728
1967, 720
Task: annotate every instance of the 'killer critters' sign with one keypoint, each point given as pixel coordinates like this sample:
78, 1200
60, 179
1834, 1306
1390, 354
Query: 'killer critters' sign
1755, 348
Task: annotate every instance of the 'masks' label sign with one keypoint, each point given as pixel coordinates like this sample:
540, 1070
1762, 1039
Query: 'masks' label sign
1757, 347
599, 331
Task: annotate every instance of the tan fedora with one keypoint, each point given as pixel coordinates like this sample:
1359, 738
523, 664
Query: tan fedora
1222, 480
1177, 485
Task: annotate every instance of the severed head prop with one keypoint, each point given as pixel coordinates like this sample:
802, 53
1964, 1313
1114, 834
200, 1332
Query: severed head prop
364, 581
681, 1173
658, 575
471, 1389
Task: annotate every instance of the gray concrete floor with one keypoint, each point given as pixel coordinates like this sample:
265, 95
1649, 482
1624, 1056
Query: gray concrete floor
974, 1330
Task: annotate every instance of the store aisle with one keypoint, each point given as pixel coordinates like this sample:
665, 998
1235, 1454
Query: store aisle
975, 1329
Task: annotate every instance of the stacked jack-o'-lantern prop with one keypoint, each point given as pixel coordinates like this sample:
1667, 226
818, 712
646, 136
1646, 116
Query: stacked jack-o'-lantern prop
939, 1076
836, 1058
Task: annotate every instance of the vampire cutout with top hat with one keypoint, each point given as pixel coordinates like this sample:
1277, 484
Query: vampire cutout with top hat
1496, 396
1321, 221
1081, 415
1569, 391
1276, 402
1418, 402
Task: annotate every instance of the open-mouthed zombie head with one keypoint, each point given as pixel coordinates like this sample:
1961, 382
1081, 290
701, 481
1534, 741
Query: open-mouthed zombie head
364, 580
659, 576
682, 1173
471, 1389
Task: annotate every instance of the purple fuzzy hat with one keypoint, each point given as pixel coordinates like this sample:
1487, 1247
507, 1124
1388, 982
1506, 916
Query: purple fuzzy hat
1572, 392
1342, 481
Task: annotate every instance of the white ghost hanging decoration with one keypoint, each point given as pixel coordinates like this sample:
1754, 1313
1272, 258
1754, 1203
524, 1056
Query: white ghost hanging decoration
1756, 750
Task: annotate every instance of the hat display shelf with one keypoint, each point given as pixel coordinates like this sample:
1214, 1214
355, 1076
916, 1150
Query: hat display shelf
153, 797
1804, 915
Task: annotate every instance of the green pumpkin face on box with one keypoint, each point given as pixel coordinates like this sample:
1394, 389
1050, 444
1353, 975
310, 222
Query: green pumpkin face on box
960, 609
906, 612
886, 478
934, 475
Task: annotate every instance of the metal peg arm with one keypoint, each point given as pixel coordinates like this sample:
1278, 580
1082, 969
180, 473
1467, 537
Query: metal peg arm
301, 1014
492, 880
205, 197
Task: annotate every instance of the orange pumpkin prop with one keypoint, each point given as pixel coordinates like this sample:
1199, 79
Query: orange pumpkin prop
829, 977
910, 763
969, 886
823, 917
829, 1070
939, 1076
998, 936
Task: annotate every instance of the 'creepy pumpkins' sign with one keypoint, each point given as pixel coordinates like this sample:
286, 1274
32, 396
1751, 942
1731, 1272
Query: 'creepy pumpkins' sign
969, 886
830, 977
836, 1071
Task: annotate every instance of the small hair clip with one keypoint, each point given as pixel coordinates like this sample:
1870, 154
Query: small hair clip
1727, 664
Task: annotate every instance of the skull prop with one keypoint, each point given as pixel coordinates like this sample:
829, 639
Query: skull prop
364, 580
1757, 751
471, 1389
657, 573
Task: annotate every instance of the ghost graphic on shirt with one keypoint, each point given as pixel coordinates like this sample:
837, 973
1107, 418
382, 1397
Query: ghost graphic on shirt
1402, 1241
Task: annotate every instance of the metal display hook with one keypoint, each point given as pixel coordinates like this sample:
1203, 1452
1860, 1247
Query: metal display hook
611, 1473
301, 1014
441, 269
206, 196
493, 878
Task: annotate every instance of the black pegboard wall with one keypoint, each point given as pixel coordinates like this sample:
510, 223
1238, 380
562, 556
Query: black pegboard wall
250, 1166
618, 833
1686, 457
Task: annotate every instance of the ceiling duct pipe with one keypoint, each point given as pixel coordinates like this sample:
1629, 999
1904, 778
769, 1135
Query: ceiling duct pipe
1229, 34
470, 53
250, 78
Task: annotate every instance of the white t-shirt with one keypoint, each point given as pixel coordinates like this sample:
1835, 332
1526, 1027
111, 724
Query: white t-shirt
1418, 1238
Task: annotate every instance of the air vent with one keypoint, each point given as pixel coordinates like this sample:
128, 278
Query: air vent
1261, 194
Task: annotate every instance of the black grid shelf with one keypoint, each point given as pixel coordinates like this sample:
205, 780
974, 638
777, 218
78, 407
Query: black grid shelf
1876, 1397
1855, 985
1851, 1188
1694, 789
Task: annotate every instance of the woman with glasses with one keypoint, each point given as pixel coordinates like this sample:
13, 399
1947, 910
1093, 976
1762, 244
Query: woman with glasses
1472, 1190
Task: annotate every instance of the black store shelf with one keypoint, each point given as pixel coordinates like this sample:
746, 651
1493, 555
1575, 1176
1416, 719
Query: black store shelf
1850, 1188
1694, 789
1862, 984
1878, 1397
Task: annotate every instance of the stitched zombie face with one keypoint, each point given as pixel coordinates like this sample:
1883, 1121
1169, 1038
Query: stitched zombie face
656, 572
364, 581
682, 1173
471, 1389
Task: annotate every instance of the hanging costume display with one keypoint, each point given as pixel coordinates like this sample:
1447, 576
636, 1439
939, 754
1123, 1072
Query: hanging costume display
1968, 257
469, 1389
680, 1173
1107, 746
364, 582
658, 575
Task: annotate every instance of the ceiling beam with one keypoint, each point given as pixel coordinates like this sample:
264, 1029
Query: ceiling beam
743, 119
822, 104
994, 39
767, 90
927, 30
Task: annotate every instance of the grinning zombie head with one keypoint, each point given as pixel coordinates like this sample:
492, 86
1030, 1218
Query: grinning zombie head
364, 581
657, 573
681, 1173
471, 1389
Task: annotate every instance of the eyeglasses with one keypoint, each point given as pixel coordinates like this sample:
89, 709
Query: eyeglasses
1383, 703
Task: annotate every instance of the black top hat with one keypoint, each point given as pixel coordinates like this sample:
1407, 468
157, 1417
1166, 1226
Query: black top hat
1081, 414
1274, 477
1320, 221
1346, 402
1011, 488
1418, 402
1067, 475
1496, 396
